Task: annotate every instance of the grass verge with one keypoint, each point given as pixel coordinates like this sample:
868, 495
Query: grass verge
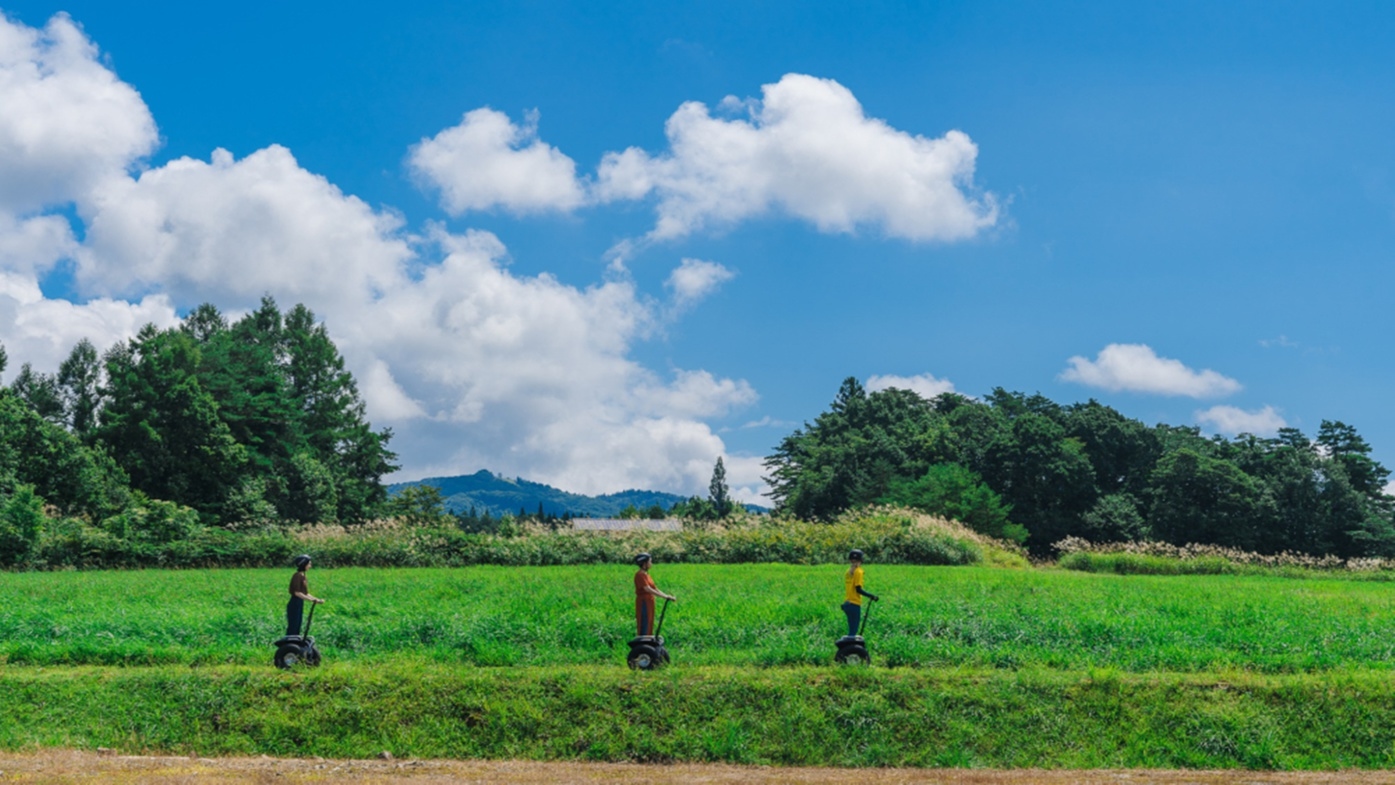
785, 716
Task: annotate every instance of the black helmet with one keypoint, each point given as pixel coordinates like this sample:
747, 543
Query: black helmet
642, 558
302, 560
856, 554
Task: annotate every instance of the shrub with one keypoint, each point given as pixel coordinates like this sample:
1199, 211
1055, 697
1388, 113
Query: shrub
21, 521
153, 521
155, 533
954, 492
1161, 558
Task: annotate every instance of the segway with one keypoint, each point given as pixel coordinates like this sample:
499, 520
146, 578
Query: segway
852, 649
647, 652
294, 650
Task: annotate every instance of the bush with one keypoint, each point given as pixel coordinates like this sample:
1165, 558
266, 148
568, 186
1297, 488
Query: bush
1161, 558
153, 521
954, 492
21, 521
162, 534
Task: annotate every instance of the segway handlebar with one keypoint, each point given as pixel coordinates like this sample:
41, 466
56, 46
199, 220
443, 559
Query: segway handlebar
309, 620
865, 613
662, 611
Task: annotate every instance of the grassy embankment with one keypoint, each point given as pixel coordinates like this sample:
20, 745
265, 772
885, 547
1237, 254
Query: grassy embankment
781, 716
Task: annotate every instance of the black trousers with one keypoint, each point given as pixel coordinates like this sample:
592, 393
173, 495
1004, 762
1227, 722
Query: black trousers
854, 614
295, 610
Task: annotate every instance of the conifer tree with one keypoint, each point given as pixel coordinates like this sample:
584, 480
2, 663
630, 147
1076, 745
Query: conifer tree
717, 491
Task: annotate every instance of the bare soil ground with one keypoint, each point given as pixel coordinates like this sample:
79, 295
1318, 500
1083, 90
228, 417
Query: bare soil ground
74, 766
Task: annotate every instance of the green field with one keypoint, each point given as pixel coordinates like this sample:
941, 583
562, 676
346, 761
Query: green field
747, 615
987, 667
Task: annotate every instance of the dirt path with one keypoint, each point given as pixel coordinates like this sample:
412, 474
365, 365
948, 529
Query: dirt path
73, 766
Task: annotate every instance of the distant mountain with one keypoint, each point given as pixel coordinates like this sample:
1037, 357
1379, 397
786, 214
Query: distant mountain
485, 490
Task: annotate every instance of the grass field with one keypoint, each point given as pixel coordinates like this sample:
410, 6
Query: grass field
991, 667
761, 615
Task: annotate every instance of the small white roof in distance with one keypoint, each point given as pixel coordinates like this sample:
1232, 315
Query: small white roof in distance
626, 524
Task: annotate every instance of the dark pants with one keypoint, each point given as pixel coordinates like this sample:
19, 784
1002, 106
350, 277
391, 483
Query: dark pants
644, 618
295, 609
854, 612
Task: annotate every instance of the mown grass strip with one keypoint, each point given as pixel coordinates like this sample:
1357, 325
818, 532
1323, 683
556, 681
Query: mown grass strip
785, 716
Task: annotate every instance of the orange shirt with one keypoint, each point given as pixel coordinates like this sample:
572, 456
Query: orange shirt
642, 582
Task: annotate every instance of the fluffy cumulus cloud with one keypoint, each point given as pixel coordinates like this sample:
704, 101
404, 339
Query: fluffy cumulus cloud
926, 384
1231, 420
1134, 367
694, 279
67, 122
808, 150
471, 365
487, 161
68, 127
238, 228
805, 149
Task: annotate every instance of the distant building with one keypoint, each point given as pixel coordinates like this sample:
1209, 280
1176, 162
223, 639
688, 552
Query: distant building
626, 524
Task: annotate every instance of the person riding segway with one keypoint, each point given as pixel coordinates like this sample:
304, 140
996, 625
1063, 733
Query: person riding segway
296, 648
647, 648
852, 648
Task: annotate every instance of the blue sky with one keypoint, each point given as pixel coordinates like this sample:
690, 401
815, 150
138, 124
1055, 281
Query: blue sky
1204, 187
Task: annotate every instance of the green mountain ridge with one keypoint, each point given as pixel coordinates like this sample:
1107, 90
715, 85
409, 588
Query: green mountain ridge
486, 491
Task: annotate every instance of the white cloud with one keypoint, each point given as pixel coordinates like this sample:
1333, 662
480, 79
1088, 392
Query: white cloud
925, 384
486, 161
43, 331
807, 150
34, 244
768, 422
1137, 368
1282, 342
238, 228
471, 365
67, 122
745, 479
67, 126
1231, 420
694, 279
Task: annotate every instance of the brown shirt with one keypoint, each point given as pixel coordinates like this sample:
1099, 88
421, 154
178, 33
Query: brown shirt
299, 584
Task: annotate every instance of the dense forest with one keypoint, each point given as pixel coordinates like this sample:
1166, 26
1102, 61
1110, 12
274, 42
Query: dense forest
207, 423
1029, 469
193, 433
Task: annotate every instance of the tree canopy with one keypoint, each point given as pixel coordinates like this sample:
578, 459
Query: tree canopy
1013, 464
248, 421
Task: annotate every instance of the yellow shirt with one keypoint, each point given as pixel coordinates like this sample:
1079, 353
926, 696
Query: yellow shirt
851, 580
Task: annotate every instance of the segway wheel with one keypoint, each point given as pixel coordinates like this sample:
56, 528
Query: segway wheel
288, 657
312, 658
644, 658
663, 656
853, 655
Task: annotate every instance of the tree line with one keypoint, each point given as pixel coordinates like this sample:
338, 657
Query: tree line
246, 422
1025, 468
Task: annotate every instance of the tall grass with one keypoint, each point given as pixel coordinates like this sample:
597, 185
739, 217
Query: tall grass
888, 536
739, 615
1161, 558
